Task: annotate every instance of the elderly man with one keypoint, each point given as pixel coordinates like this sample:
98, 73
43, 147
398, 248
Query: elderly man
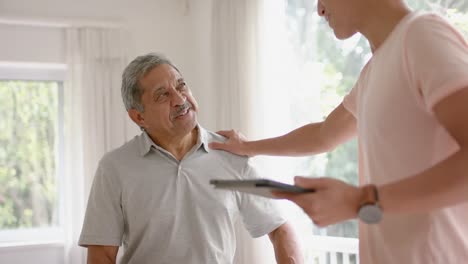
153, 195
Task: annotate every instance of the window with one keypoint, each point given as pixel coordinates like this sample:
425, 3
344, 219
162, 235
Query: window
307, 72
31, 151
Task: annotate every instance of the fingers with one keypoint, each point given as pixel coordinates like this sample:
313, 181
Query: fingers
217, 145
306, 202
225, 133
234, 142
310, 183
332, 202
309, 204
302, 200
283, 195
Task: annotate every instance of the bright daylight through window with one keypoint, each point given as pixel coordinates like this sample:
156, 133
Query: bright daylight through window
30, 163
317, 71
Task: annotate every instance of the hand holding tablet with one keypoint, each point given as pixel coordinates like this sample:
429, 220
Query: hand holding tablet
262, 187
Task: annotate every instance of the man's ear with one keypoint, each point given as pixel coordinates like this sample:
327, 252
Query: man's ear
137, 117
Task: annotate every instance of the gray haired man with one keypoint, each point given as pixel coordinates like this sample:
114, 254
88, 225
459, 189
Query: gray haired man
153, 195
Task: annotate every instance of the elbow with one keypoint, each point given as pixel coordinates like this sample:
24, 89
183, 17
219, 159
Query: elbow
286, 245
327, 146
328, 139
325, 143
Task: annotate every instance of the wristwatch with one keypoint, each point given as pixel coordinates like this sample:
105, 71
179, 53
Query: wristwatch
370, 211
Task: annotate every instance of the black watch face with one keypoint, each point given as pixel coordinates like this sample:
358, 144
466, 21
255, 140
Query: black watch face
370, 214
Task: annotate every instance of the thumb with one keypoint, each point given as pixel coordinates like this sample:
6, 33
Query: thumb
309, 183
224, 133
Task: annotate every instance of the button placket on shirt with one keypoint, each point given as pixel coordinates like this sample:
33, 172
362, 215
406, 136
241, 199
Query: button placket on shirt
188, 156
179, 168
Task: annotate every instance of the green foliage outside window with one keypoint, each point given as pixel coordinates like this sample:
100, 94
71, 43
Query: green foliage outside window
28, 144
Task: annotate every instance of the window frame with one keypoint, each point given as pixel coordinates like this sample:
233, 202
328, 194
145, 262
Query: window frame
55, 72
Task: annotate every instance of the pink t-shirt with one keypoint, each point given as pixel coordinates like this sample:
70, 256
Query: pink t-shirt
422, 61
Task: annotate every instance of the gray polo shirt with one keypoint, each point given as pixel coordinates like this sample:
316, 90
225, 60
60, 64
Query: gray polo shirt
165, 211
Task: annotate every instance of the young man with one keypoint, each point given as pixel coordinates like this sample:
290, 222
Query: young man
409, 110
153, 193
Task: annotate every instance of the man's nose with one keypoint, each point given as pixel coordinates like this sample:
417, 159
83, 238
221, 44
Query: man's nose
178, 98
320, 8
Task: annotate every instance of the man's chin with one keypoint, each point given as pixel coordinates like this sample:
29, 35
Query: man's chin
344, 35
189, 122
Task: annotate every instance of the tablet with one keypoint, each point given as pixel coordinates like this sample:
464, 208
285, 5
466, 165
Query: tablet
262, 187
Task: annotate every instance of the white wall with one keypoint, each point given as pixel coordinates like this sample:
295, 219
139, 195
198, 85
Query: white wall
16, 44
156, 24
200, 71
166, 26
179, 28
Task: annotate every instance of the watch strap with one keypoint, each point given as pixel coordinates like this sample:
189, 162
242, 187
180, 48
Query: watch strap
370, 195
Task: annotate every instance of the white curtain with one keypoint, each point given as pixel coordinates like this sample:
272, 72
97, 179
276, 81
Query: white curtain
95, 118
236, 60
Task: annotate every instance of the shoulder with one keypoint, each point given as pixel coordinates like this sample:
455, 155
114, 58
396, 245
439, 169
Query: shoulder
424, 27
240, 162
122, 154
419, 20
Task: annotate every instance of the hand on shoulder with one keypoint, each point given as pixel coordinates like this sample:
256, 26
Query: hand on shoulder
235, 143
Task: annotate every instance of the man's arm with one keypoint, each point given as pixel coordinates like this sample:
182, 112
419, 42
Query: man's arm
443, 185
314, 138
102, 254
286, 246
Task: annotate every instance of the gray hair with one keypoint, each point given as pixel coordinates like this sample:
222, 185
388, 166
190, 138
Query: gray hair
141, 65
